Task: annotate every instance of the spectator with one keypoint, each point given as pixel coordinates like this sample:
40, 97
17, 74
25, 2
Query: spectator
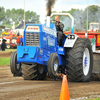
3, 45
18, 39
18, 34
21, 41
0, 44
21, 44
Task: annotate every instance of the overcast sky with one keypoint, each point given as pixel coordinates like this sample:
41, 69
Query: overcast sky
39, 6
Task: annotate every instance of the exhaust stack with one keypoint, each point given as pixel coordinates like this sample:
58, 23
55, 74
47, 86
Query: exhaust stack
49, 6
48, 21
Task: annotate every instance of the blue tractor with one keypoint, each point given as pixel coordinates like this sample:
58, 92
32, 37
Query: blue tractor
40, 54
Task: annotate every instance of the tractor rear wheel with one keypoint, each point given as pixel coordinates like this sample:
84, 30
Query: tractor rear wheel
33, 72
79, 61
15, 68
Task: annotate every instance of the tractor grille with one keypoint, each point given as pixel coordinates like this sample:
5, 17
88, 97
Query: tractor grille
32, 39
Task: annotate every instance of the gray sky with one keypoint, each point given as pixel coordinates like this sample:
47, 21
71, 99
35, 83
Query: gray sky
39, 6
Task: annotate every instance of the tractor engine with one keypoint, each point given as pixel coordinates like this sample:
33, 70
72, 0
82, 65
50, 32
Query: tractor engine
39, 42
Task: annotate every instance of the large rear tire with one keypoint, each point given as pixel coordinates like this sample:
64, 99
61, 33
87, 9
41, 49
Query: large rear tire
33, 72
79, 61
15, 68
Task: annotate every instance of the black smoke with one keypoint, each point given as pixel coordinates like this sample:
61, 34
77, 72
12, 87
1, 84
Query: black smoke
49, 6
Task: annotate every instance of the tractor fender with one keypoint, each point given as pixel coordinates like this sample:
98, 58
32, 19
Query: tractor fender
70, 40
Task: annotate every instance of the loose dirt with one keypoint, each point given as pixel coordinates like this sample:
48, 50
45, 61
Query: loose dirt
5, 54
15, 88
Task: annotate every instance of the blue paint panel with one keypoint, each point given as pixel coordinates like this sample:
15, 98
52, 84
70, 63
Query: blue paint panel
62, 60
30, 54
52, 26
21, 50
26, 54
61, 53
49, 39
27, 59
72, 30
61, 50
49, 42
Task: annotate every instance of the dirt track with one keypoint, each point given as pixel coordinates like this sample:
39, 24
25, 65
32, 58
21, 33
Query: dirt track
15, 88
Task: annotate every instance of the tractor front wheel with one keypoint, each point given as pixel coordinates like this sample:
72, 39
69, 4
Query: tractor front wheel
15, 68
53, 64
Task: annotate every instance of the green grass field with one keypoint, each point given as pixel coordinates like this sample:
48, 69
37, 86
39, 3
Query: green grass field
4, 61
94, 99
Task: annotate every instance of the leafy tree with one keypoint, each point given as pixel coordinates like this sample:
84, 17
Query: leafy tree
2, 13
7, 17
17, 15
93, 15
32, 17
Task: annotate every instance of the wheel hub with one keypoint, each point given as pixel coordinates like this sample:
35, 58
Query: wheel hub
18, 66
55, 67
86, 61
8, 46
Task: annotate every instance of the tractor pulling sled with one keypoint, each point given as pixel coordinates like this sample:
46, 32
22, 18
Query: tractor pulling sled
40, 54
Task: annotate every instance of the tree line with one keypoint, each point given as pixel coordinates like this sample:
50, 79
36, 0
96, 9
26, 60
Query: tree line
7, 17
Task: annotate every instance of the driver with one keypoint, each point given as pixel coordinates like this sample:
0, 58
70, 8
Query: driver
59, 27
